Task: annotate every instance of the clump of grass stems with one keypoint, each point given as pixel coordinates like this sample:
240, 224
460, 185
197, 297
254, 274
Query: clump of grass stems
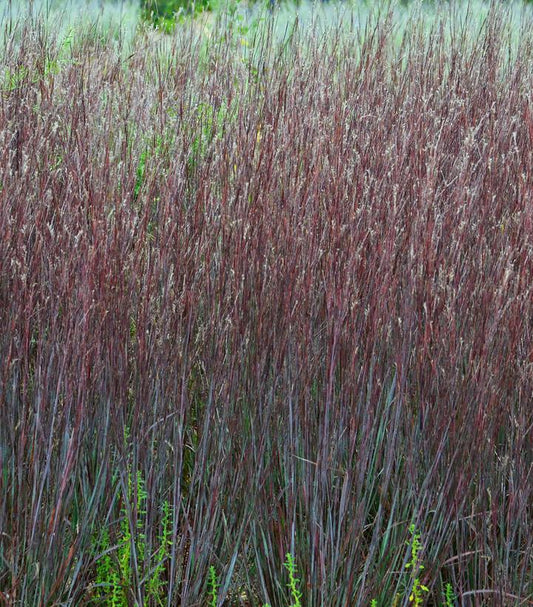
284, 282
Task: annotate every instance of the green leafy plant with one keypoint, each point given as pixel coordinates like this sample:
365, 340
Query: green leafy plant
155, 589
296, 595
114, 575
14, 78
211, 122
418, 589
139, 174
449, 595
212, 587
154, 148
108, 587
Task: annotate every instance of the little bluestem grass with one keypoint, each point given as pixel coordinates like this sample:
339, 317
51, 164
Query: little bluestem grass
296, 271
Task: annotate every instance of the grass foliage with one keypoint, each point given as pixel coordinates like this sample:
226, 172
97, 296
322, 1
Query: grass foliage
262, 295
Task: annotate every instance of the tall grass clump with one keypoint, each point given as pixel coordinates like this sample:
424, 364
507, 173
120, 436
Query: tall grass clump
266, 294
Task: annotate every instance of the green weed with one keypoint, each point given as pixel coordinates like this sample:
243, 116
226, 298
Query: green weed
294, 582
156, 584
108, 586
139, 174
212, 123
115, 575
154, 149
13, 79
449, 596
212, 587
418, 589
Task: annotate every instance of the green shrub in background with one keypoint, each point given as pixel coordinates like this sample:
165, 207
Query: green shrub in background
163, 13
